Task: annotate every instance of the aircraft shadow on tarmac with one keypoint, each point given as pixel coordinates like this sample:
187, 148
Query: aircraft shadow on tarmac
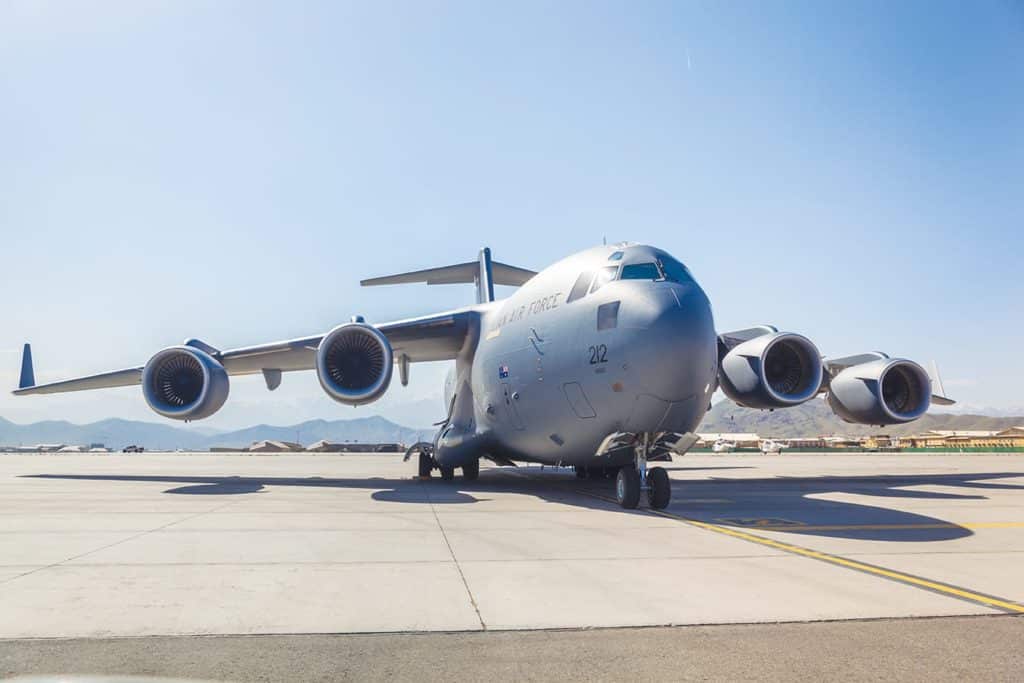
779, 503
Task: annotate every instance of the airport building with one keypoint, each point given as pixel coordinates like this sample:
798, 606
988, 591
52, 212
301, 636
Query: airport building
976, 440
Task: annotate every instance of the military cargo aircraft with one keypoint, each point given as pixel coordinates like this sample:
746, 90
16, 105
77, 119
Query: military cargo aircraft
604, 361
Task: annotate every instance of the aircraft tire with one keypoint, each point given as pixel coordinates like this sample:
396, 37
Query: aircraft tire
426, 465
447, 473
471, 470
659, 491
627, 488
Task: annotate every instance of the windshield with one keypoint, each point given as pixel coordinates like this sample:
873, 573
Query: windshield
674, 271
641, 271
604, 276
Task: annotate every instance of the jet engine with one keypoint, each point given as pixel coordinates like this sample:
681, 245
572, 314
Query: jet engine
881, 392
184, 383
354, 363
771, 371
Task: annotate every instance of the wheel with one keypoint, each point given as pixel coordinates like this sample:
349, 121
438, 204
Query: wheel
471, 470
447, 473
581, 471
659, 491
627, 488
426, 465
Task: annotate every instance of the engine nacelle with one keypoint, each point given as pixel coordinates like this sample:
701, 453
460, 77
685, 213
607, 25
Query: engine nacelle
881, 392
771, 371
354, 363
184, 383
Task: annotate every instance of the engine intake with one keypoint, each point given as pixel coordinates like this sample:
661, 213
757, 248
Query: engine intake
184, 383
881, 392
354, 363
771, 371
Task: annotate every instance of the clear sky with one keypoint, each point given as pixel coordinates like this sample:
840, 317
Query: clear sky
230, 170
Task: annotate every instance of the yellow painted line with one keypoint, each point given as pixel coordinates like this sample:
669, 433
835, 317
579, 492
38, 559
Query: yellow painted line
878, 527
909, 579
493, 334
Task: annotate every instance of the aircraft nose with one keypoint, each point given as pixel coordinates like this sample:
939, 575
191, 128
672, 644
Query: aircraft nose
679, 312
677, 352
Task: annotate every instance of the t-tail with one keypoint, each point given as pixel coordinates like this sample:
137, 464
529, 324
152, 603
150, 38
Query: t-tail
483, 272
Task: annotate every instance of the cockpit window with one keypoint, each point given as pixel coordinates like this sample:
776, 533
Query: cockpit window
617, 256
582, 285
641, 271
603, 277
674, 271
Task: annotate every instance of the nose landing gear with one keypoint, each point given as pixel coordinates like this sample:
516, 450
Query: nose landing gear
632, 481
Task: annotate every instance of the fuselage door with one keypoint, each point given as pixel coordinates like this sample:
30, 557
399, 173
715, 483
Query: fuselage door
510, 398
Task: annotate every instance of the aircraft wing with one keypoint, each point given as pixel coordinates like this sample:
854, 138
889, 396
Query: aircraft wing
427, 338
104, 380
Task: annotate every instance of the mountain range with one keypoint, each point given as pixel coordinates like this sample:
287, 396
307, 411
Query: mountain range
813, 418
115, 433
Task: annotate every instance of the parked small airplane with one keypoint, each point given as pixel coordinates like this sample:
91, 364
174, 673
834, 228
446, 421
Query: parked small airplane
606, 359
723, 446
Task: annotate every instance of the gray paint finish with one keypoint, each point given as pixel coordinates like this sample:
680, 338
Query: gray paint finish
545, 377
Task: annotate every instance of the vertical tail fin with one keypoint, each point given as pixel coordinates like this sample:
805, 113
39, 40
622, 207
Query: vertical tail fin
28, 375
485, 279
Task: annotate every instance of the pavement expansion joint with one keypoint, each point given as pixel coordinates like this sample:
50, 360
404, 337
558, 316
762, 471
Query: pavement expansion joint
134, 536
458, 567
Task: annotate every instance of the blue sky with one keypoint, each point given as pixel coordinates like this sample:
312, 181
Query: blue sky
850, 171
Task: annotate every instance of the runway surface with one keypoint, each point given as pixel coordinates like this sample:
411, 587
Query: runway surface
99, 546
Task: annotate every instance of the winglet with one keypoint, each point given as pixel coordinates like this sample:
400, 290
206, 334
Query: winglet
939, 398
28, 375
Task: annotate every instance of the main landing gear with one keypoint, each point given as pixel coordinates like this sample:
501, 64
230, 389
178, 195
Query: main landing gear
427, 463
632, 481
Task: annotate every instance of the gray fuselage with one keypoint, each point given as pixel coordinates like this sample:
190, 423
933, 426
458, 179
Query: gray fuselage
558, 366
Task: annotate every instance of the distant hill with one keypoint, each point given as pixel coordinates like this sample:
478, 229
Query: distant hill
114, 433
815, 418
374, 429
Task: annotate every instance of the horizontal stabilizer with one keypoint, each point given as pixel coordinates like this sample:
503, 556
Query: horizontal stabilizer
502, 274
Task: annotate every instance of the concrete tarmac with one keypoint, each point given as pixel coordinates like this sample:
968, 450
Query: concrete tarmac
99, 546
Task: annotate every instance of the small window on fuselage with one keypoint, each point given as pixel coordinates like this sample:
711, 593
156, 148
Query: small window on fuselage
617, 256
640, 271
608, 316
579, 289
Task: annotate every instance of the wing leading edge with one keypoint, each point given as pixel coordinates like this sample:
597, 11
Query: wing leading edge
434, 337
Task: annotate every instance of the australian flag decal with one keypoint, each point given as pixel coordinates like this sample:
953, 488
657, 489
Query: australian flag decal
502, 372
